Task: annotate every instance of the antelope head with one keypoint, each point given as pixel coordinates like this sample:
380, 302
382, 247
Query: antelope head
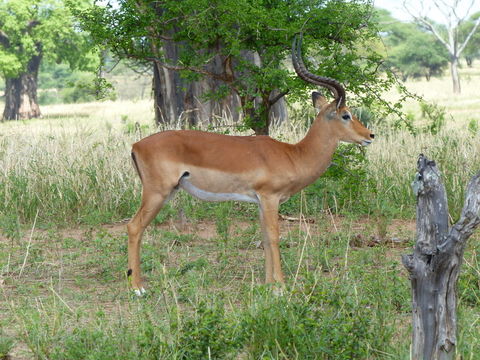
346, 125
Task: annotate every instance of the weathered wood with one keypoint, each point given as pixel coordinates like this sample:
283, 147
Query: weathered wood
435, 264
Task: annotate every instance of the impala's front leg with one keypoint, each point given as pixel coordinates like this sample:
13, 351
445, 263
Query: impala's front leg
270, 230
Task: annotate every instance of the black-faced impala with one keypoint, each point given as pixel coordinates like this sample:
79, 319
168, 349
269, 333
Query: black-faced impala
255, 169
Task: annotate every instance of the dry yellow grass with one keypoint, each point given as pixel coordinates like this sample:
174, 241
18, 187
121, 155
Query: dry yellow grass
97, 136
461, 107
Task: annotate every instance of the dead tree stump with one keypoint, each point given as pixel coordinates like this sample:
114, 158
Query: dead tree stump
435, 264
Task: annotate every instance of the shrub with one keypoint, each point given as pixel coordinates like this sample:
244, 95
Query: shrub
340, 187
6, 345
435, 115
208, 334
87, 89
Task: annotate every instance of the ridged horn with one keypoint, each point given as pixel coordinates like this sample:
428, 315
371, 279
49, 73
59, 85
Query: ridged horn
331, 84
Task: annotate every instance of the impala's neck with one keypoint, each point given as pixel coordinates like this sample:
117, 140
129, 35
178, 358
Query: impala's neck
317, 147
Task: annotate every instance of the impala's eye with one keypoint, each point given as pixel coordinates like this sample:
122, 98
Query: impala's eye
346, 116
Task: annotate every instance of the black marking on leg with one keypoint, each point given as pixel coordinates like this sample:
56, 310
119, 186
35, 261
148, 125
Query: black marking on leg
129, 272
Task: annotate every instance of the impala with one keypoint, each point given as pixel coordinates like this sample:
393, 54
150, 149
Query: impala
256, 169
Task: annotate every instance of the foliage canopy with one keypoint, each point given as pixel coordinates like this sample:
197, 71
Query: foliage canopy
40, 28
338, 34
472, 50
412, 52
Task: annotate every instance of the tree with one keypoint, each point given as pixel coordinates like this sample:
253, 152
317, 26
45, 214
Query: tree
472, 50
411, 51
417, 57
189, 101
242, 45
449, 35
32, 31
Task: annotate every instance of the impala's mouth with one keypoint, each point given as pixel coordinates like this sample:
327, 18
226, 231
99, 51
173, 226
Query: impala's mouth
365, 142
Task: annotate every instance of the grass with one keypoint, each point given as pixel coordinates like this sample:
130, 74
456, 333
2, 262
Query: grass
461, 107
70, 299
67, 186
347, 295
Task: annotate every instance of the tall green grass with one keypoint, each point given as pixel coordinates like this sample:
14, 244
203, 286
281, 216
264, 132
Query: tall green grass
81, 172
392, 163
79, 175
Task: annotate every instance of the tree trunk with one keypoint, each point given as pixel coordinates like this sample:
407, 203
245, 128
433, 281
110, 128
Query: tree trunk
454, 72
435, 264
21, 93
263, 113
182, 101
179, 101
469, 60
256, 115
167, 97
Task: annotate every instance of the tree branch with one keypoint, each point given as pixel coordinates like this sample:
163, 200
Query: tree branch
271, 102
469, 36
451, 27
4, 40
222, 77
434, 31
446, 14
470, 7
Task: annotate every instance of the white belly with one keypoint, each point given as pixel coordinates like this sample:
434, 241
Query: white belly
212, 196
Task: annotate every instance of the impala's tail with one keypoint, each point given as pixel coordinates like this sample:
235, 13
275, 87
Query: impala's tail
135, 164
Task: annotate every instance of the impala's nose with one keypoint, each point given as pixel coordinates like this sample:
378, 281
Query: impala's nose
372, 136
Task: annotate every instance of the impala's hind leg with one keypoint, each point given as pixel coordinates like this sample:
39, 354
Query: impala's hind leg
152, 202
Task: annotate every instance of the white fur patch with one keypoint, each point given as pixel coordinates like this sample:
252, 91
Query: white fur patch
211, 196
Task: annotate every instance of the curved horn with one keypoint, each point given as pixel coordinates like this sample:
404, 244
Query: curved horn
331, 84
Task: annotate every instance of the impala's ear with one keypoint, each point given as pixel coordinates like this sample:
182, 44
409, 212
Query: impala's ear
318, 100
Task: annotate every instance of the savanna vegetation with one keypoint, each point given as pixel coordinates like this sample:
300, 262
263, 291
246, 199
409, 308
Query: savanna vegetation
67, 188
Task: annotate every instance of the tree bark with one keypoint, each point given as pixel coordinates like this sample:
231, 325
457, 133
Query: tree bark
435, 264
455, 77
21, 93
181, 101
177, 100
